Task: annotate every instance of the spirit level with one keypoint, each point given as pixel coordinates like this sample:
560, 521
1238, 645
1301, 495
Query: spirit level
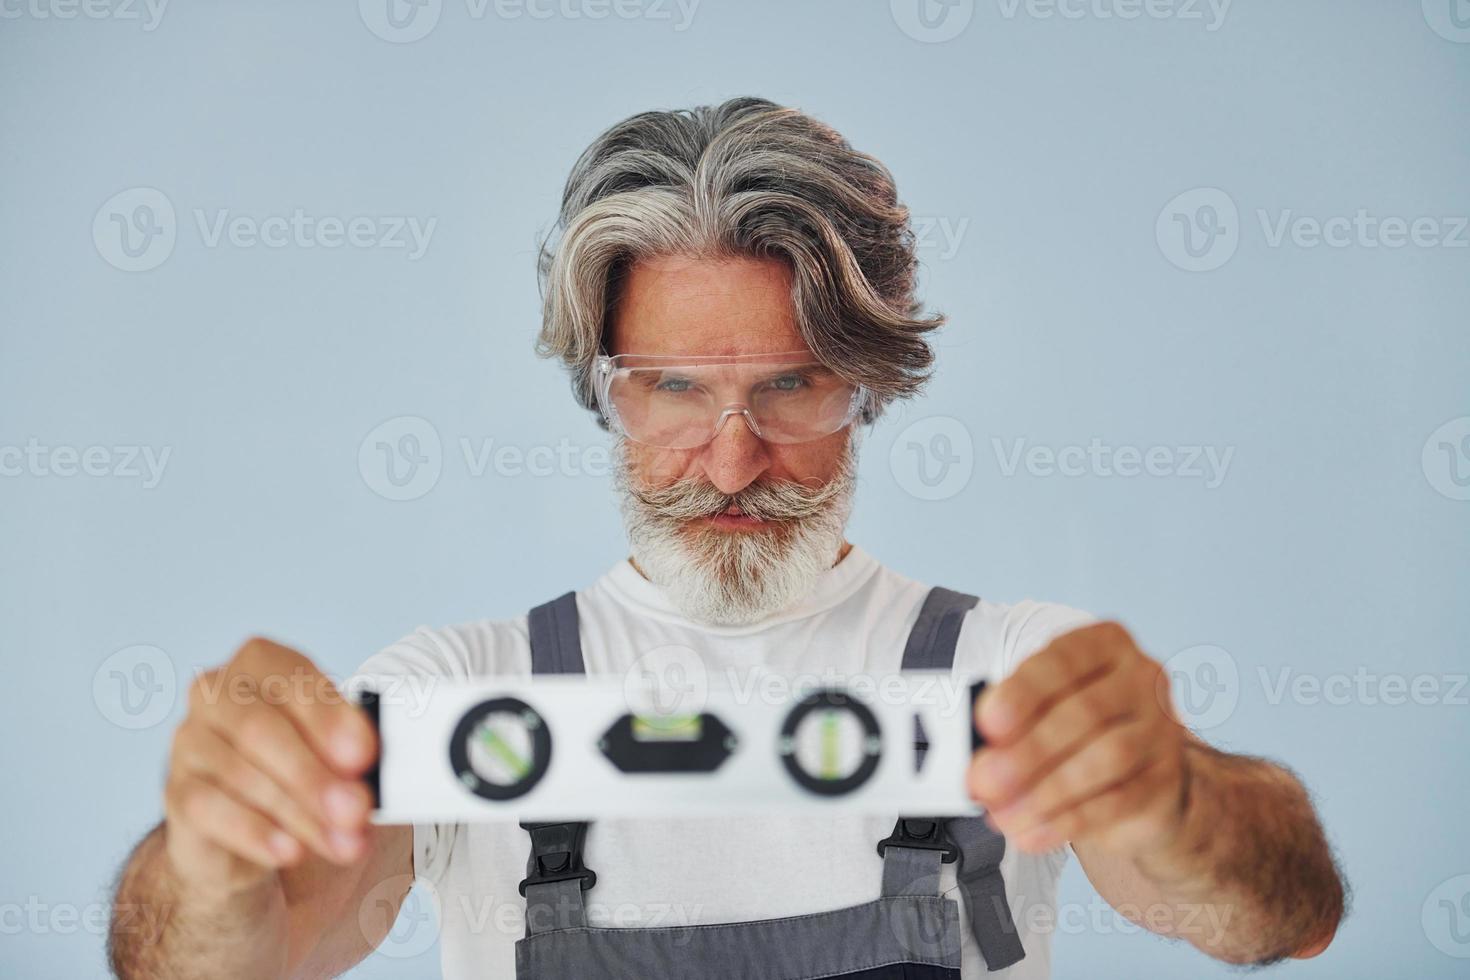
558, 747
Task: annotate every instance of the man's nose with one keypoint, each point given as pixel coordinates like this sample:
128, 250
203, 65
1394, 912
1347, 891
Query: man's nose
736, 456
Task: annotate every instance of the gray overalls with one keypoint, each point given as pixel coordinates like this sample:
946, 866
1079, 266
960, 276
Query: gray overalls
911, 932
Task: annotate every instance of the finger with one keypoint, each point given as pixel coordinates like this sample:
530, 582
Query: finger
229, 824
204, 753
1123, 817
999, 774
266, 737
1073, 659
1109, 760
336, 729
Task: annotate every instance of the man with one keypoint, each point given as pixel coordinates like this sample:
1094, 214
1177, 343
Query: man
732, 289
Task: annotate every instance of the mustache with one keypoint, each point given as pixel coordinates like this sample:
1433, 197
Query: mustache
771, 500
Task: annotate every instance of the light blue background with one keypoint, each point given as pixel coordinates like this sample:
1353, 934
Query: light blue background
1055, 143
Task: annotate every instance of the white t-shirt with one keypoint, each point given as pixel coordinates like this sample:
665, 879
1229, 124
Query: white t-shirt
671, 872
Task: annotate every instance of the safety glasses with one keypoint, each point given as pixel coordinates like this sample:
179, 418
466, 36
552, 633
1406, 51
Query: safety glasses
677, 402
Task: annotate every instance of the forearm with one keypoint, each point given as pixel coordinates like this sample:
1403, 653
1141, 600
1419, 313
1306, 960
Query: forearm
1251, 851
1084, 745
161, 930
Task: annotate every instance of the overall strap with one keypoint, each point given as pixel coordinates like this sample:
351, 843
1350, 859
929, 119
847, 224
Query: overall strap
555, 875
934, 635
969, 840
980, 879
556, 643
931, 644
912, 855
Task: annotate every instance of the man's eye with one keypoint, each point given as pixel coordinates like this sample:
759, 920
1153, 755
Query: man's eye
788, 382
675, 385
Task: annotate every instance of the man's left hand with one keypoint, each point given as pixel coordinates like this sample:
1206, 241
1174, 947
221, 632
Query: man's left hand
1082, 743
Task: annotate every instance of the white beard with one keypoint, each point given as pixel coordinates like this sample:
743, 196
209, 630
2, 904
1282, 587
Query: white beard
735, 578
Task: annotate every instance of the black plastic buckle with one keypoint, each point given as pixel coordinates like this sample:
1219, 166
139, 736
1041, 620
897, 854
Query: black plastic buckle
556, 855
923, 833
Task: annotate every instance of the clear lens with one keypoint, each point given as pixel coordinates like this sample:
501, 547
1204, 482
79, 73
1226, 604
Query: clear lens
677, 403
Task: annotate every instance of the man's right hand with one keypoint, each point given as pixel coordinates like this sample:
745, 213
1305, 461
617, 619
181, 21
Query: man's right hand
265, 863
265, 770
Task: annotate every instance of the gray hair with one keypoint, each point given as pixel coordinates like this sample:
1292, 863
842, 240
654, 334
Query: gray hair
744, 178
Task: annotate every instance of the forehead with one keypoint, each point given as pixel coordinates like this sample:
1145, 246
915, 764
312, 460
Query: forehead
698, 306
